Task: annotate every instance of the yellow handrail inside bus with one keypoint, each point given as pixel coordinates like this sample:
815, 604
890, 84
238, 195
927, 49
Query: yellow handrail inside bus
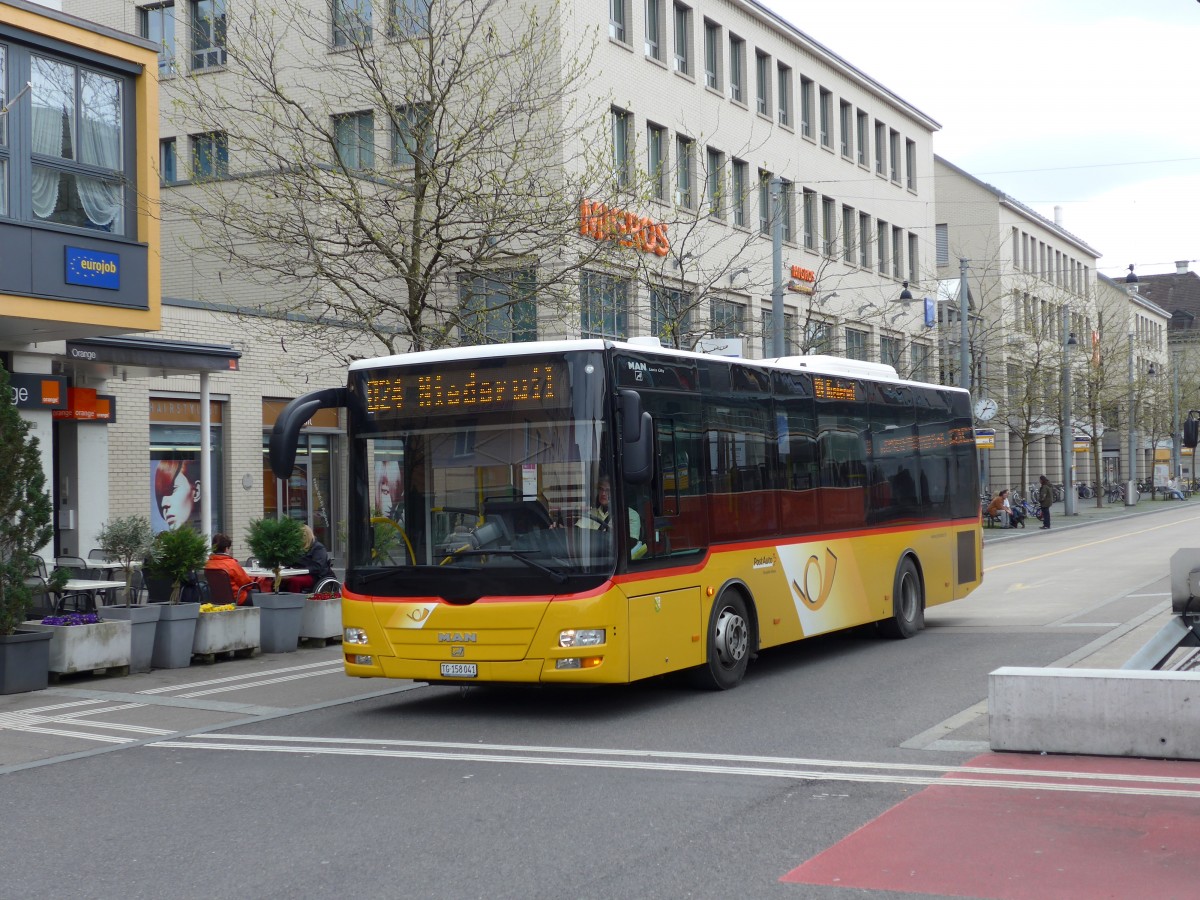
384, 520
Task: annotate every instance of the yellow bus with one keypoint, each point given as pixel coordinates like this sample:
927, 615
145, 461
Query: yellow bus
600, 512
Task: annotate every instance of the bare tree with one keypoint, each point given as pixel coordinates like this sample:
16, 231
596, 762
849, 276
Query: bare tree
414, 185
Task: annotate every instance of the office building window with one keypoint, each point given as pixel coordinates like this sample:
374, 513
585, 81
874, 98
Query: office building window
208, 33
762, 83
914, 274
880, 147
683, 39
848, 233
826, 118
738, 189
787, 198
618, 19
412, 135
864, 137
498, 308
737, 69
622, 153
764, 202
168, 161
351, 22
768, 334
897, 252
806, 106
856, 343
354, 136
810, 220
210, 155
881, 245
894, 154
656, 160
157, 23
910, 164
891, 351
728, 319
716, 183
864, 240
410, 18
604, 305
712, 55
654, 29
671, 316
785, 95
942, 238
847, 132
684, 172
828, 226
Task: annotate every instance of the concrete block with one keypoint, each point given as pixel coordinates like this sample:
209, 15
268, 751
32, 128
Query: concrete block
1102, 712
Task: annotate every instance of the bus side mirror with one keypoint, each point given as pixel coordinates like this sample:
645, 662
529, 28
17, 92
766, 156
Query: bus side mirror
637, 439
1191, 429
281, 447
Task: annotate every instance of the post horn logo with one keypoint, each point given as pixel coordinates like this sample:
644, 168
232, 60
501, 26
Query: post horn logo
818, 580
420, 614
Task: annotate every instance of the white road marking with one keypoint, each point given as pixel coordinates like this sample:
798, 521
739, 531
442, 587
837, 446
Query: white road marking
720, 764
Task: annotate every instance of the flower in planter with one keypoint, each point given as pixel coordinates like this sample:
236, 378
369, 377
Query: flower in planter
213, 608
72, 619
325, 595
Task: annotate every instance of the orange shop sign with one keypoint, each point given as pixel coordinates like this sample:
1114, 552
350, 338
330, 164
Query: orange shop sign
802, 280
81, 405
608, 223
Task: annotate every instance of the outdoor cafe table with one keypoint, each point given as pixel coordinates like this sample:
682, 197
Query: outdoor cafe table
266, 577
89, 586
110, 566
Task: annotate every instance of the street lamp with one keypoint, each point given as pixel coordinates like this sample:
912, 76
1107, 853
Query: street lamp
1176, 465
1068, 430
964, 361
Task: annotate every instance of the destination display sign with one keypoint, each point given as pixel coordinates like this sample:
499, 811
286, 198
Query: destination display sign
465, 387
825, 388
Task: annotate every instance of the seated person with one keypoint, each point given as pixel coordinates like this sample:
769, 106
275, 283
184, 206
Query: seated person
1001, 509
1173, 491
598, 518
222, 560
315, 559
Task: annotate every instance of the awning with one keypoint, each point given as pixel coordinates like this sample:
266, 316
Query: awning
113, 357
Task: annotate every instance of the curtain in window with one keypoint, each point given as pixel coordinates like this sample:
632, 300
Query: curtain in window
53, 106
100, 145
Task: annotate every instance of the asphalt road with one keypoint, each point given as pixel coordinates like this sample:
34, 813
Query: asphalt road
279, 777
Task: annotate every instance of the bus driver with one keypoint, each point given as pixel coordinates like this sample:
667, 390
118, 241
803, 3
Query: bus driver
598, 518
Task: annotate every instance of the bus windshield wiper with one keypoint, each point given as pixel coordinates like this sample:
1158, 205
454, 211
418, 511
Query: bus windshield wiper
557, 576
368, 577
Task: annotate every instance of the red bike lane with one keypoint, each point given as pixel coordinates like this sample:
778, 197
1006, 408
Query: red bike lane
1031, 827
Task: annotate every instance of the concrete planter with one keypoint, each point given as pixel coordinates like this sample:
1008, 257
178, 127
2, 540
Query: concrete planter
232, 629
143, 621
24, 662
280, 624
174, 635
84, 648
322, 619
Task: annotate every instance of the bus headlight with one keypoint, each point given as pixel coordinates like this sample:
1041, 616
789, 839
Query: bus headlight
582, 637
354, 636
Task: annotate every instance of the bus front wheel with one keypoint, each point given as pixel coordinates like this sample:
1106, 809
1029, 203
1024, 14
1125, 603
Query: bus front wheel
908, 603
729, 644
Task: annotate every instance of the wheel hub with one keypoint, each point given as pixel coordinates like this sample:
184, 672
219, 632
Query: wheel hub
733, 637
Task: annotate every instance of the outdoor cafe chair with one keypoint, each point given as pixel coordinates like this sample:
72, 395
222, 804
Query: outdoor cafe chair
220, 589
331, 585
99, 556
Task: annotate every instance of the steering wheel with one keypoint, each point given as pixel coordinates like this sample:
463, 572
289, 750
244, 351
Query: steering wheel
387, 551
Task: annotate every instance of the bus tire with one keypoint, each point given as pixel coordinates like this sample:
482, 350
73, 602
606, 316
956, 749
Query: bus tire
730, 642
908, 603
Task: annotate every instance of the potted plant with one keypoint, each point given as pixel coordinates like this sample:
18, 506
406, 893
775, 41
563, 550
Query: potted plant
275, 543
175, 555
128, 540
25, 527
226, 628
322, 618
83, 642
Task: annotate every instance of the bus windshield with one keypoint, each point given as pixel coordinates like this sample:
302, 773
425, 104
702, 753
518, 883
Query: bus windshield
498, 499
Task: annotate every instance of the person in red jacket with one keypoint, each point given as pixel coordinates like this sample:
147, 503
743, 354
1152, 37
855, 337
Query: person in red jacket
221, 559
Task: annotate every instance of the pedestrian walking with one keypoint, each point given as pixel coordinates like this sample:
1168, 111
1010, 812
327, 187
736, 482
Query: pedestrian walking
1045, 498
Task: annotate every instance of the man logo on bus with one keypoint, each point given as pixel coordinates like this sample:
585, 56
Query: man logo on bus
818, 580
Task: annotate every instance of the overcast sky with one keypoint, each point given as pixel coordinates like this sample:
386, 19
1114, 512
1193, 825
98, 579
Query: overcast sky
1091, 105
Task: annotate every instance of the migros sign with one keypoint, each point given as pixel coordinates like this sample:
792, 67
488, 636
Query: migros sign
608, 223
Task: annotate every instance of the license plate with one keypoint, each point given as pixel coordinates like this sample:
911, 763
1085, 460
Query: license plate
459, 670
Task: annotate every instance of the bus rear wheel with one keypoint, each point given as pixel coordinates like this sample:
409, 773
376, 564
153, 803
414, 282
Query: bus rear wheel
908, 603
729, 644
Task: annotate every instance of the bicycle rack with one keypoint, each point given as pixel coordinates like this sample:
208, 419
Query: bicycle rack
1183, 628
